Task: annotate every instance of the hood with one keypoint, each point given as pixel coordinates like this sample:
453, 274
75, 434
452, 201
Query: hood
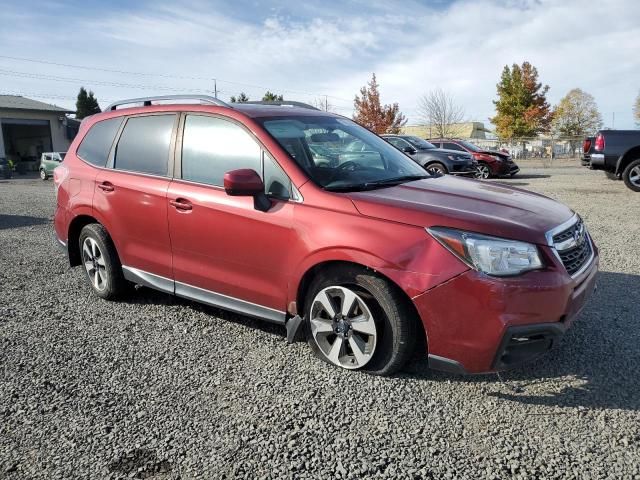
502, 155
473, 205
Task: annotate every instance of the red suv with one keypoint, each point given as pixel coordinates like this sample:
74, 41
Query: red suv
490, 162
264, 210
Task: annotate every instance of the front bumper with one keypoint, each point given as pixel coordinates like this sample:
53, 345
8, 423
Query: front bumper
464, 170
478, 324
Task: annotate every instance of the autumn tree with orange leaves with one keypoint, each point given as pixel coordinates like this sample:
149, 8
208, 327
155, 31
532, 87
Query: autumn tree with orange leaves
521, 109
370, 113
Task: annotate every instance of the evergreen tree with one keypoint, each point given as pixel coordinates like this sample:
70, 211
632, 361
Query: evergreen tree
242, 98
370, 113
86, 104
272, 97
521, 109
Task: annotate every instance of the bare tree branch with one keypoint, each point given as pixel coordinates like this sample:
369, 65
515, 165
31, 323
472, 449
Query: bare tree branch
440, 110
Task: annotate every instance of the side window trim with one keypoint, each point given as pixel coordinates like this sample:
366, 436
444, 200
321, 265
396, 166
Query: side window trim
171, 157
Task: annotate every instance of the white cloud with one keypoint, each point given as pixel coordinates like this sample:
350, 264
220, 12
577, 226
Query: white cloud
332, 48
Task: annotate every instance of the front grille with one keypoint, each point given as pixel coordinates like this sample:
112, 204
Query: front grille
574, 247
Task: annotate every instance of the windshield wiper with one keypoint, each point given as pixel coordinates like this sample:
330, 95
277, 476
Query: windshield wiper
387, 182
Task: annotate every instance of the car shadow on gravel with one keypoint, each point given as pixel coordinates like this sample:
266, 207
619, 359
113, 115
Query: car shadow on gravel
17, 221
142, 296
598, 360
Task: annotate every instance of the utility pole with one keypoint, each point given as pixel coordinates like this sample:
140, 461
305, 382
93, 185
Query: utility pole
326, 104
215, 88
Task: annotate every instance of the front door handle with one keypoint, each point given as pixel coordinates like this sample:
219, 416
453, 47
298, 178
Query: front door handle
181, 204
106, 186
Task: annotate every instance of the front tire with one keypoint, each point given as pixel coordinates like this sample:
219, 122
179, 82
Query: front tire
631, 175
436, 169
483, 171
357, 320
43, 174
101, 262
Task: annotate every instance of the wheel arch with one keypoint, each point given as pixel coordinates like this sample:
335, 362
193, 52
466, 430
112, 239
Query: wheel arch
73, 236
629, 156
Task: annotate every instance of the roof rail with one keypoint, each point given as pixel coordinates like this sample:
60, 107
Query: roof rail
282, 103
146, 101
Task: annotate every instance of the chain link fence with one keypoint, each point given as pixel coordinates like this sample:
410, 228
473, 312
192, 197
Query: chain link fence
542, 148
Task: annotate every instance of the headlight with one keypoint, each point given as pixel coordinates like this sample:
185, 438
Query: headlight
490, 255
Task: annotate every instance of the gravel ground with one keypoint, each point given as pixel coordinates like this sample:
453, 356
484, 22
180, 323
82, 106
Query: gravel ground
157, 387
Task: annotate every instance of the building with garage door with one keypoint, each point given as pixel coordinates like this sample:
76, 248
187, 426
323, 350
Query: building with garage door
30, 127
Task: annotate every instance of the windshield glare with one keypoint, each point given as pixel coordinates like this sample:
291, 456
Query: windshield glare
420, 143
339, 154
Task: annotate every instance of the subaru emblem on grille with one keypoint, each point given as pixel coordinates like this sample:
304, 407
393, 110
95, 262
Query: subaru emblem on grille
578, 235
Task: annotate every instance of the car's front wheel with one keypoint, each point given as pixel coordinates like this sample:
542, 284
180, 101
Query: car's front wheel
436, 169
483, 171
359, 321
101, 262
631, 175
43, 174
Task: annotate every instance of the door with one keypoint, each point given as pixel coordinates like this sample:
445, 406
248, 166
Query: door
131, 197
225, 252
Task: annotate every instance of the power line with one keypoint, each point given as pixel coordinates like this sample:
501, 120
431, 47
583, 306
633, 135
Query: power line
160, 75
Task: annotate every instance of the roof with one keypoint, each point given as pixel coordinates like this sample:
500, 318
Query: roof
16, 102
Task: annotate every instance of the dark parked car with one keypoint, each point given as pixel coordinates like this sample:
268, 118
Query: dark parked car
373, 257
434, 160
588, 146
490, 162
618, 152
5, 170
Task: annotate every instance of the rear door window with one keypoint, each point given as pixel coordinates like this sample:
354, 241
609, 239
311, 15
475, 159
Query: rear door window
144, 144
452, 146
96, 144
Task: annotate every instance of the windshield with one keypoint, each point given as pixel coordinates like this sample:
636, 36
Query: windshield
340, 155
419, 143
471, 146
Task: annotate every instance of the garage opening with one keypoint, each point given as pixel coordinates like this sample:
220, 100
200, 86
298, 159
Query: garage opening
25, 140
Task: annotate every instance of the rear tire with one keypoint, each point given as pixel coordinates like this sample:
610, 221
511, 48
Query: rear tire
43, 174
101, 262
631, 175
384, 327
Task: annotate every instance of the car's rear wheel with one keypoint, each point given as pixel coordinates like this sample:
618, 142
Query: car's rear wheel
101, 262
43, 174
483, 171
357, 320
436, 169
631, 175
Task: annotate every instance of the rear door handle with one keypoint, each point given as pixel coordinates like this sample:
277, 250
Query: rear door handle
181, 204
106, 186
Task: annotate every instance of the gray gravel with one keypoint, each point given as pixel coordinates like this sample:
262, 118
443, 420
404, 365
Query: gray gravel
157, 387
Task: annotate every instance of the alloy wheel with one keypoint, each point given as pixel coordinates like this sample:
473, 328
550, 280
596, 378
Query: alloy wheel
483, 171
94, 263
634, 176
435, 170
43, 174
343, 327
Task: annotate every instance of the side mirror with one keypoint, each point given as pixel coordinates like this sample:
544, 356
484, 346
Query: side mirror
409, 150
246, 182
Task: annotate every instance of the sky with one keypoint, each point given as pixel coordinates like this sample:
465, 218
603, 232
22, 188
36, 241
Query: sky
306, 50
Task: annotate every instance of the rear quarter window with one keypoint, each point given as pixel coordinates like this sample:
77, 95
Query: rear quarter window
96, 144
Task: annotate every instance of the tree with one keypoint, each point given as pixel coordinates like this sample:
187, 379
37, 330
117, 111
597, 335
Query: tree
372, 115
272, 97
323, 103
636, 110
576, 115
86, 104
521, 109
242, 98
439, 109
